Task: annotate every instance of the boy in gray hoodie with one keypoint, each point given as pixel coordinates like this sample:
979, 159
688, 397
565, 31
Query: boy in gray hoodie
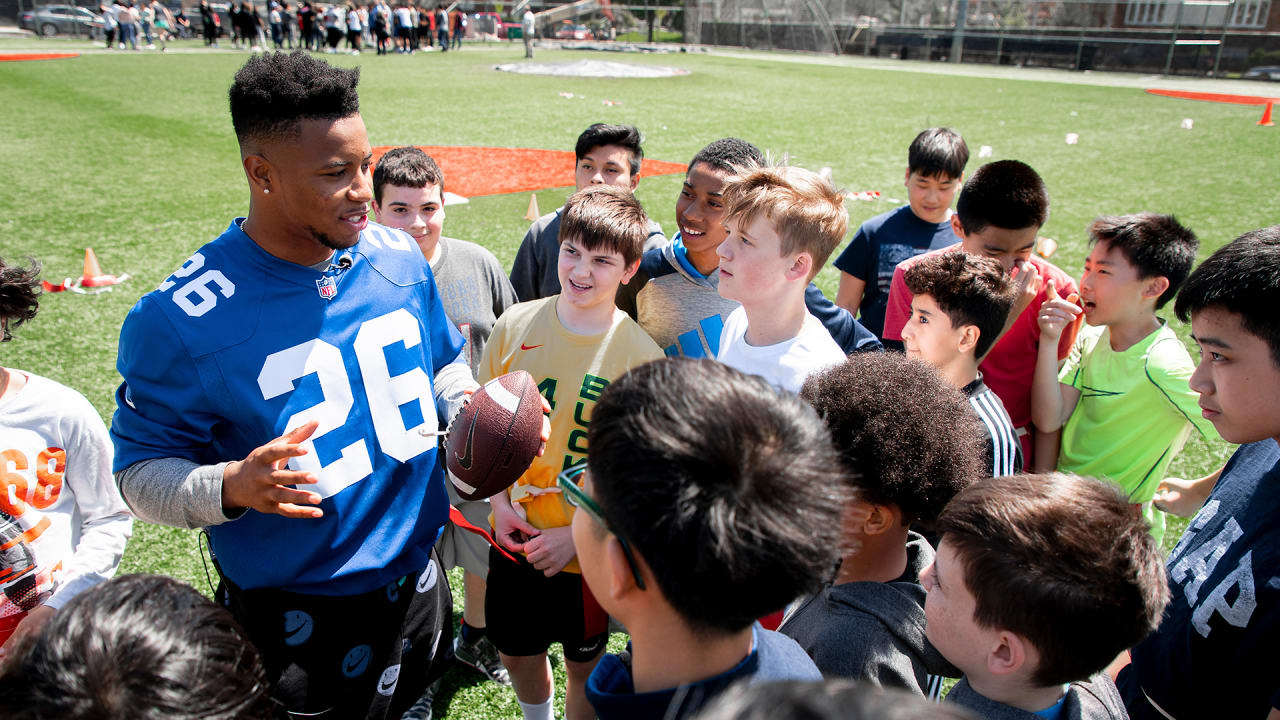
908, 444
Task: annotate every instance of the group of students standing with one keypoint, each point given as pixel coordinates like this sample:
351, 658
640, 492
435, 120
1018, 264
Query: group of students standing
735, 469
404, 27
124, 23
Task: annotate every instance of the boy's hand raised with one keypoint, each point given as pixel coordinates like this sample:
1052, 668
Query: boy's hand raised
260, 480
1056, 314
1027, 284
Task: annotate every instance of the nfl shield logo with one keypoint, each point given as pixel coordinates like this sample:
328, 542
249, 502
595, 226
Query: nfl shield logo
328, 287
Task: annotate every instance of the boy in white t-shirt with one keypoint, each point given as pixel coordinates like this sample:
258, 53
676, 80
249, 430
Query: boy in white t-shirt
783, 224
63, 524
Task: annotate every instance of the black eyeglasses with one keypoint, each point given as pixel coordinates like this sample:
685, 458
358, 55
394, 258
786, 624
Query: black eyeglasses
567, 481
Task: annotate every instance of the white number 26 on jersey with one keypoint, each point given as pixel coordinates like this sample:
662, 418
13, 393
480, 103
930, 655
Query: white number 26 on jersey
385, 395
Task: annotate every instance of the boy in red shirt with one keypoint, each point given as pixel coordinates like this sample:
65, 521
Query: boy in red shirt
998, 215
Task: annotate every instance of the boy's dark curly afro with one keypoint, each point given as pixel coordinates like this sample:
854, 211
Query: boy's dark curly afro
907, 438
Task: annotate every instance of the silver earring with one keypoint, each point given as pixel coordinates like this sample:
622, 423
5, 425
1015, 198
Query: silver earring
266, 191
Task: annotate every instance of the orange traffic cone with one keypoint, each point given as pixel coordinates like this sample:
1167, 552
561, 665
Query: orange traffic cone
1266, 115
533, 213
91, 266
93, 275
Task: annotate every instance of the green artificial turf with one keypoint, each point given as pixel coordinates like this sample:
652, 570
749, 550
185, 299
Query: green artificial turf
132, 154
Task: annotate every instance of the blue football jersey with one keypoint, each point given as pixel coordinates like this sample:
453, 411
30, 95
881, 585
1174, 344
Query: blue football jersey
238, 347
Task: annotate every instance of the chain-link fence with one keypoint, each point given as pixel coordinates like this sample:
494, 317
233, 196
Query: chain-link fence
1188, 37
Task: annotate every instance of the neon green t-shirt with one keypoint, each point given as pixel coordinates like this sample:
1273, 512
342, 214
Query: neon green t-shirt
1135, 412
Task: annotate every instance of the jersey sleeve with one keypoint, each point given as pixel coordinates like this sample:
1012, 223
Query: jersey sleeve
856, 259
898, 310
1172, 376
848, 333
161, 407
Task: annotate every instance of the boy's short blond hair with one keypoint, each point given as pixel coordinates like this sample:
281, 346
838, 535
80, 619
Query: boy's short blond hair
806, 209
606, 217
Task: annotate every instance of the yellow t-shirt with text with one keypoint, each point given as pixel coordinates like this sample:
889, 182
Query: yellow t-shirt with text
571, 371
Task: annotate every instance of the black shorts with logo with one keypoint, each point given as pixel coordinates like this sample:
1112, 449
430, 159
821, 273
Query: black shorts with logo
355, 656
527, 611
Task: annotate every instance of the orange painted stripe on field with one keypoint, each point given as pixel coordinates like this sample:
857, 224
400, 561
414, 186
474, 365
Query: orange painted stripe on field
1215, 97
472, 171
18, 57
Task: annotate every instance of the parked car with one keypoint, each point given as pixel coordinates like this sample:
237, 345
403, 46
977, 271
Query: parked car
573, 32
1263, 72
51, 20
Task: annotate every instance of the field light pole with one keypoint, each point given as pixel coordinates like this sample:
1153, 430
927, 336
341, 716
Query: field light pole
1222, 40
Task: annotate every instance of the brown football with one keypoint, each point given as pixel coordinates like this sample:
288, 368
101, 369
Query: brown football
495, 436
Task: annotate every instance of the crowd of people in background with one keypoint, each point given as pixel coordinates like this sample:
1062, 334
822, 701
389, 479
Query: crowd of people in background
402, 27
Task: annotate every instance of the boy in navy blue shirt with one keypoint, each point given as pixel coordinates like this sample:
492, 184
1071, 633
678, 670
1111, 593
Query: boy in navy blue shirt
709, 499
1214, 653
935, 171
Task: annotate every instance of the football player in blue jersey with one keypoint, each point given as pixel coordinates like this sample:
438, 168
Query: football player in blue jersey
283, 389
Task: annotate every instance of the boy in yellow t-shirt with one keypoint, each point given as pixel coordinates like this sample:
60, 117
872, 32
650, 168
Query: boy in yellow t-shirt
574, 344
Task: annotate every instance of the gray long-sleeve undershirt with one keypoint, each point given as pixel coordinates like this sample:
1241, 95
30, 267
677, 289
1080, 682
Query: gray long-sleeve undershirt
181, 493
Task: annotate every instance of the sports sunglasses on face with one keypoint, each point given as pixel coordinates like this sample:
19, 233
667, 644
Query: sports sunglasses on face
567, 481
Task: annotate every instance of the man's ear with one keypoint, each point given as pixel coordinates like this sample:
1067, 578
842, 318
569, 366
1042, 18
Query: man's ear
1155, 287
1010, 654
260, 173
956, 227
635, 181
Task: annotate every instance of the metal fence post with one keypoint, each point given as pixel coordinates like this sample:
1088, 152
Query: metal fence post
1173, 38
1217, 60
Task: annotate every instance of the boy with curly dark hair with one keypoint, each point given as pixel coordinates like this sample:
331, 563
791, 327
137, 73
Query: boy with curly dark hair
907, 443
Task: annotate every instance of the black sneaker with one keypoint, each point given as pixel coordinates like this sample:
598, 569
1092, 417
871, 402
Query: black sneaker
483, 656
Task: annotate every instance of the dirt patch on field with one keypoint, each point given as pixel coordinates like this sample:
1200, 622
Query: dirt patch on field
472, 171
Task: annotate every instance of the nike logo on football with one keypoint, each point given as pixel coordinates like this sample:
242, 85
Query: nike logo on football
529, 347
465, 459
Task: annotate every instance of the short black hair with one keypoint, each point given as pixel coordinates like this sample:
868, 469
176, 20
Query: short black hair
938, 152
833, 699
970, 289
19, 294
1070, 548
137, 647
730, 155
1241, 277
905, 437
599, 134
1156, 245
406, 166
728, 488
1005, 193
276, 91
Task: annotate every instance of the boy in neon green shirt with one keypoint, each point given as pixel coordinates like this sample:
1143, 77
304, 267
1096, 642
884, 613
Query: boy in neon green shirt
1122, 397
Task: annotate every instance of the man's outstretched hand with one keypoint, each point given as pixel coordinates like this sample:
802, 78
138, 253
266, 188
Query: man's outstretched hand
260, 481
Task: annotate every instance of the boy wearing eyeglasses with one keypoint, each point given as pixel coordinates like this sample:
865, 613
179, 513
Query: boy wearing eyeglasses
709, 500
574, 344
